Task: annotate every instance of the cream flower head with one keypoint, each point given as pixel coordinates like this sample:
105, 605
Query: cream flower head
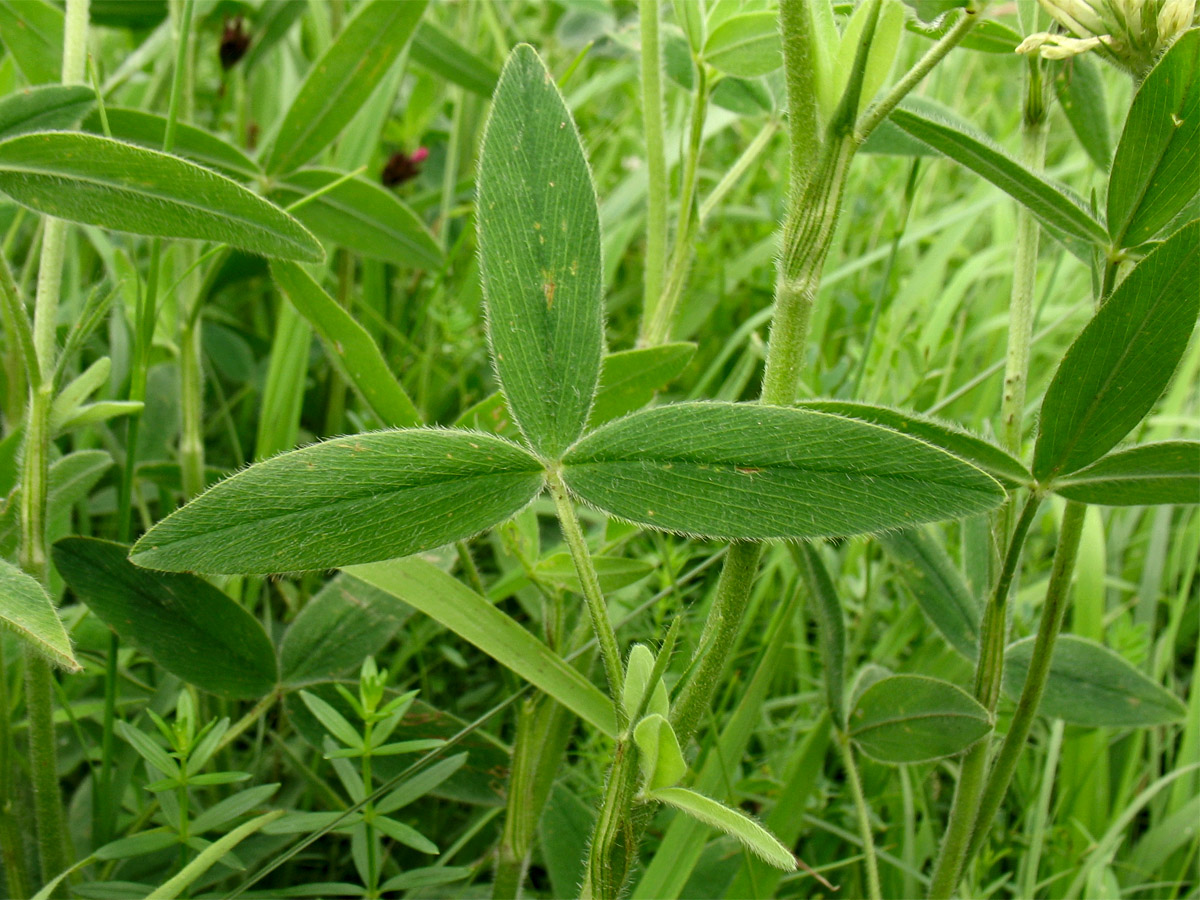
1131, 34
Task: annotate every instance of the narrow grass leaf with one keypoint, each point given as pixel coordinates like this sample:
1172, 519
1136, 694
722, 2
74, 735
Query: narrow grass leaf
911, 719
998, 463
749, 471
231, 807
421, 783
831, 627
362, 217
405, 834
470, 616
32, 31
48, 108
342, 80
1157, 167
1150, 474
937, 585
210, 856
97, 181
351, 500
614, 572
349, 345
342, 625
441, 53
1093, 686
732, 822
135, 126
746, 45
539, 240
1049, 202
182, 622
1123, 359
26, 610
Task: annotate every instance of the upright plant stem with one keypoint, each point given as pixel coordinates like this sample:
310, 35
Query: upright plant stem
39, 694
1053, 608
1020, 325
681, 256
656, 167
989, 671
864, 820
610, 653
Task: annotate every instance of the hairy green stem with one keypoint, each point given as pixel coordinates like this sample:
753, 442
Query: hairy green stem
1053, 608
16, 872
879, 111
989, 672
43, 763
1020, 324
606, 637
601, 882
656, 168
864, 818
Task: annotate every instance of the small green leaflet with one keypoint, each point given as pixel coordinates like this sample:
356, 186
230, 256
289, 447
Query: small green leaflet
733, 822
911, 718
351, 500
98, 181
998, 463
1157, 167
45, 108
340, 81
539, 244
749, 471
26, 610
1158, 473
1092, 686
745, 45
362, 217
182, 622
1122, 361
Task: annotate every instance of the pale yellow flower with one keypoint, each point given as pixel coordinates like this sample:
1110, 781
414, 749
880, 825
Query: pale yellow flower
1131, 34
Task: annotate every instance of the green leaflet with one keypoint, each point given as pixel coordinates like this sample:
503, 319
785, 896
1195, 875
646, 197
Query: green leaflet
342, 625
470, 616
1056, 208
1080, 90
194, 144
97, 181
362, 217
937, 585
745, 45
659, 757
911, 718
998, 463
351, 500
1157, 167
1122, 361
539, 244
1092, 686
32, 31
736, 824
441, 52
349, 345
26, 610
180, 621
749, 471
1162, 472
47, 108
340, 81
